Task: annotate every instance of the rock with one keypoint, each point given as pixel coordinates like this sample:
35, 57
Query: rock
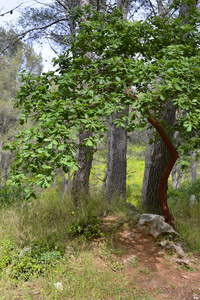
59, 286
133, 216
155, 225
130, 235
179, 249
27, 250
130, 259
24, 251
182, 261
164, 243
160, 253
105, 213
34, 292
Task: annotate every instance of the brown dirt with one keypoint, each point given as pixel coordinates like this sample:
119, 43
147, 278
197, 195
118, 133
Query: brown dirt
155, 270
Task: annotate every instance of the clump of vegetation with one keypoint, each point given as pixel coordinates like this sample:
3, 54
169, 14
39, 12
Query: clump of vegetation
186, 215
88, 227
12, 194
33, 264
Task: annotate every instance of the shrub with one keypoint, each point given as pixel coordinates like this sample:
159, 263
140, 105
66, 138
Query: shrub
88, 227
11, 194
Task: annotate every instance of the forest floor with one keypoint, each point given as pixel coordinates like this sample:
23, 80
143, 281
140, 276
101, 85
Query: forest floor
128, 265
151, 269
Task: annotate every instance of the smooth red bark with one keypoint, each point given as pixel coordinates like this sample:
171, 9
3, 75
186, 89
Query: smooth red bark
162, 188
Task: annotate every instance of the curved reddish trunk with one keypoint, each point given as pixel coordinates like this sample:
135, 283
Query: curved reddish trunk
162, 195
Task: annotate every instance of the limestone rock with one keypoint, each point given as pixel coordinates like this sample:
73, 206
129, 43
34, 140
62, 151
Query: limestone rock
155, 225
24, 251
27, 250
133, 216
177, 247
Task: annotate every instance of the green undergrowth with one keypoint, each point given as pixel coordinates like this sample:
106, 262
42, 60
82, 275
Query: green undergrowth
187, 217
81, 277
60, 237
58, 243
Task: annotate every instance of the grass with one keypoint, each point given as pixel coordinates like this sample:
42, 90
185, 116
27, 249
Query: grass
57, 256
60, 235
186, 216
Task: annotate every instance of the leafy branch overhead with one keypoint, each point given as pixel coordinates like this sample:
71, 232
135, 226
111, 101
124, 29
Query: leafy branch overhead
141, 64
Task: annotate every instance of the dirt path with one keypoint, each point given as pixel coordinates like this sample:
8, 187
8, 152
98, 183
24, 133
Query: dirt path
152, 268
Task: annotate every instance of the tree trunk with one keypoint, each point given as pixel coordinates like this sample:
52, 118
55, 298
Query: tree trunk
104, 182
64, 182
176, 177
55, 180
160, 159
194, 167
84, 156
148, 161
117, 164
162, 188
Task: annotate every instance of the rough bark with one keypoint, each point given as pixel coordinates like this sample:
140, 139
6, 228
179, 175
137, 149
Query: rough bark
104, 182
84, 156
162, 188
148, 161
117, 164
160, 159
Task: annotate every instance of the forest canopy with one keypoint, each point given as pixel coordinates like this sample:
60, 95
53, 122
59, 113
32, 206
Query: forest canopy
110, 63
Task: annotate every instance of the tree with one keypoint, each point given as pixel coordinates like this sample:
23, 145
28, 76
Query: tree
60, 102
160, 157
13, 59
59, 23
117, 146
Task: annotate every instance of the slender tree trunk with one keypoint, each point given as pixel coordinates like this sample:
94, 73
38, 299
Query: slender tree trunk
148, 161
104, 182
69, 179
194, 167
176, 177
84, 156
64, 182
55, 180
6, 166
117, 163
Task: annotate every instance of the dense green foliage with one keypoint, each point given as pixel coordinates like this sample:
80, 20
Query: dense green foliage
97, 76
14, 57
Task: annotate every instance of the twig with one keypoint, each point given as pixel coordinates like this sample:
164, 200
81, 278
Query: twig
10, 11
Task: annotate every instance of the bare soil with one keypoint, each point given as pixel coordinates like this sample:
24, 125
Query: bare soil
161, 272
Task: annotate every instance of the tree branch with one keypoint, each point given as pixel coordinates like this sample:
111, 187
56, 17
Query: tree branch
10, 11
